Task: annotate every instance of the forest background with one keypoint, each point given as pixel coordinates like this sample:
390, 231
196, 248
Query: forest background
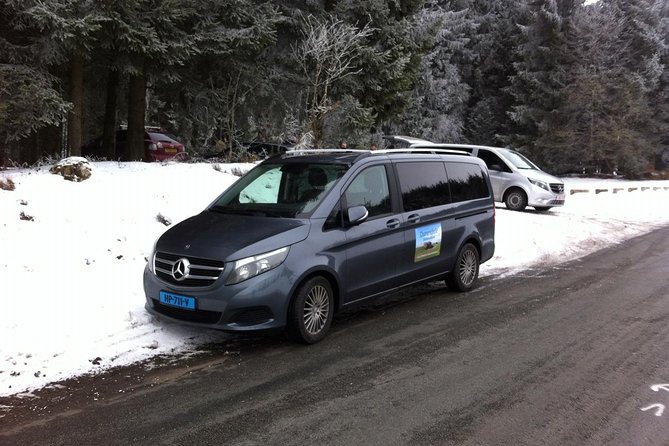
580, 88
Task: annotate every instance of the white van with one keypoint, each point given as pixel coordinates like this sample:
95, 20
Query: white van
516, 181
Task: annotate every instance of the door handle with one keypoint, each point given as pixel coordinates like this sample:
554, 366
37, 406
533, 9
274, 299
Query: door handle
413, 218
393, 223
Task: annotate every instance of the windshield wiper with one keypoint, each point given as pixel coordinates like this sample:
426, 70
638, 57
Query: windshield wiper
229, 210
251, 212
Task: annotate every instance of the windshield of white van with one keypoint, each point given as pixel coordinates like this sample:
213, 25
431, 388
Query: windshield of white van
518, 160
280, 190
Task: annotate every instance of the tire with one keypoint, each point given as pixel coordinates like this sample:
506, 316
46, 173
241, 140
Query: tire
466, 269
541, 208
515, 199
311, 311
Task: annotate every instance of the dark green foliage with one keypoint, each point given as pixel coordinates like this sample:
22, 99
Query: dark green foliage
541, 71
490, 68
604, 120
29, 94
392, 62
576, 87
438, 102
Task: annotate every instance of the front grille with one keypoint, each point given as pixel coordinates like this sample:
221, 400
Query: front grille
201, 316
252, 316
556, 202
203, 272
557, 188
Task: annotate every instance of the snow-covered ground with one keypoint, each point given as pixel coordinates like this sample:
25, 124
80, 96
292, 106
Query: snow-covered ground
72, 300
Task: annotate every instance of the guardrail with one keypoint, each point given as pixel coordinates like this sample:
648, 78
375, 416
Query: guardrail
616, 190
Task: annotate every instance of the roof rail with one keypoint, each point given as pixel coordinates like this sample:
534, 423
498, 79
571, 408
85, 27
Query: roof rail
405, 139
436, 150
297, 152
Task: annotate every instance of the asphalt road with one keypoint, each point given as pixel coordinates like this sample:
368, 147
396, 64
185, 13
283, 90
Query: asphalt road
571, 355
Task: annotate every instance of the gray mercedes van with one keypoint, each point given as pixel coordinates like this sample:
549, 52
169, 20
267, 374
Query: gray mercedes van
306, 234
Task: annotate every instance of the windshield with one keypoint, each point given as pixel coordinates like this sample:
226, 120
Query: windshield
518, 160
280, 190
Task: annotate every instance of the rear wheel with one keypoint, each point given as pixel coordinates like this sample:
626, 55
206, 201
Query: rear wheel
515, 199
311, 311
466, 269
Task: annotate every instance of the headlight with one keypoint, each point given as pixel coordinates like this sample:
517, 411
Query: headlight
152, 258
252, 266
540, 184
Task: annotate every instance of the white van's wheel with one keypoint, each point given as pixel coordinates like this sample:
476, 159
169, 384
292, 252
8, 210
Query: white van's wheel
515, 199
311, 311
466, 269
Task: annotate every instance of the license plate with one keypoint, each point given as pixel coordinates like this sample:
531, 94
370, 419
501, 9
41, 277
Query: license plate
170, 150
176, 300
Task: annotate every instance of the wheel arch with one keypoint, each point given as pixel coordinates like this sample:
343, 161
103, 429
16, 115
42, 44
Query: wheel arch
476, 241
328, 275
511, 188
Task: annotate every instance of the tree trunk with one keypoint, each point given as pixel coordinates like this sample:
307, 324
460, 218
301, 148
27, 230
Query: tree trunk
109, 127
77, 99
136, 115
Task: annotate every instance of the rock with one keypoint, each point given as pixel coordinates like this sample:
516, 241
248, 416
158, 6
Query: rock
164, 220
74, 168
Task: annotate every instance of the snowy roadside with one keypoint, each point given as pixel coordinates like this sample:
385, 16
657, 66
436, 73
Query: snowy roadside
72, 276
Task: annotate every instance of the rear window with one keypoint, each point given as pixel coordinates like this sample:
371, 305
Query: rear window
466, 181
423, 185
156, 136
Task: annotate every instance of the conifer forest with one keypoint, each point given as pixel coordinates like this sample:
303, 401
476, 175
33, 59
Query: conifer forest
579, 86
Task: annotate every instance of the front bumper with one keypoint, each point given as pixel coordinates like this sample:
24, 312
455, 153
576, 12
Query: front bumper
260, 303
542, 198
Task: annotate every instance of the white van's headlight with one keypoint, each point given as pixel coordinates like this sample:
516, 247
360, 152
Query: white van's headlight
252, 266
540, 184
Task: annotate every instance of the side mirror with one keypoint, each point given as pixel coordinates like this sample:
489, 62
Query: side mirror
356, 215
496, 167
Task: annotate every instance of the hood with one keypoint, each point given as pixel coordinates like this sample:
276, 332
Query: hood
229, 237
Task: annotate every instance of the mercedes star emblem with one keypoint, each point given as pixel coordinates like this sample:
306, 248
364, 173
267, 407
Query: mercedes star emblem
181, 269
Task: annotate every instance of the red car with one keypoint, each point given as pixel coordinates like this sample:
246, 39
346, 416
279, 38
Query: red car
159, 145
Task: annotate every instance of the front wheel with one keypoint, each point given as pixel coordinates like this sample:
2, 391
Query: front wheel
516, 200
466, 269
311, 311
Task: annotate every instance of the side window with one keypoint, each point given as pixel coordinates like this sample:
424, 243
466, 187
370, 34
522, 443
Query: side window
423, 185
370, 189
467, 182
493, 161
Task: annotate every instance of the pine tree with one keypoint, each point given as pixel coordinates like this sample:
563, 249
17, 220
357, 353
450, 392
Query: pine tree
606, 122
542, 70
490, 68
439, 99
67, 28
